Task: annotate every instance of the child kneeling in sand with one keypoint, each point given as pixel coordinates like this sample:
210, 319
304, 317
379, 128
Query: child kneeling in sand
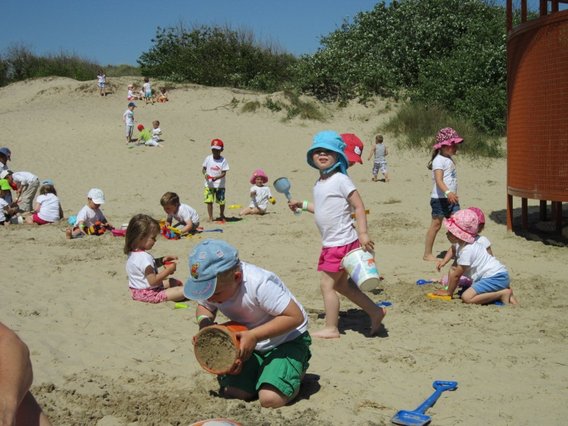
490, 278
90, 219
275, 350
145, 282
259, 193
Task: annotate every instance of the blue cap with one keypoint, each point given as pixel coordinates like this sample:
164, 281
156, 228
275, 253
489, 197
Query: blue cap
208, 259
6, 151
331, 141
131, 104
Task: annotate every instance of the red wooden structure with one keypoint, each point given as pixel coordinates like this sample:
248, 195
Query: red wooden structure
537, 118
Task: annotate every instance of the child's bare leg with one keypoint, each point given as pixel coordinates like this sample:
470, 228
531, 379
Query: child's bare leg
512, 299
175, 294
222, 211
331, 306
236, 393
471, 296
210, 211
435, 226
270, 397
354, 293
29, 220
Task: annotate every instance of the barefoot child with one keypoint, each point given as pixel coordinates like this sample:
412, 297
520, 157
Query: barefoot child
186, 216
145, 282
47, 208
215, 168
379, 152
275, 350
259, 193
490, 278
335, 198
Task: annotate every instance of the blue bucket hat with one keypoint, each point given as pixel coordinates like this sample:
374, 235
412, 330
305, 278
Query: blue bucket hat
331, 141
208, 259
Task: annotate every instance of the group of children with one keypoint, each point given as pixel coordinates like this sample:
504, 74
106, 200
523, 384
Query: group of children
146, 93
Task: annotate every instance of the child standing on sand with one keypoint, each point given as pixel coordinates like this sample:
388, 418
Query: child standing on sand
490, 278
101, 82
215, 168
275, 349
444, 197
147, 88
379, 151
145, 282
335, 197
128, 118
259, 193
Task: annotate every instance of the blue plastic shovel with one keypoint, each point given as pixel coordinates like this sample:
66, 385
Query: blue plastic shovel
417, 417
422, 282
283, 186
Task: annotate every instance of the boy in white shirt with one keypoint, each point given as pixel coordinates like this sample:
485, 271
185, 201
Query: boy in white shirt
128, 118
186, 216
274, 350
215, 168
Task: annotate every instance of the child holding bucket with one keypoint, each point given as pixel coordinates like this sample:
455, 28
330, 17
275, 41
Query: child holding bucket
259, 193
275, 350
145, 282
490, 278
335, 197
444, 198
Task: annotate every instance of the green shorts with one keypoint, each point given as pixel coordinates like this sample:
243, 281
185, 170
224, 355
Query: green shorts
282, 367
214, 194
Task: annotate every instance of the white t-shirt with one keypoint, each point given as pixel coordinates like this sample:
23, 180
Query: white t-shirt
136, 266
24, 178
89, 216
48, 207
484, 241
128, 117
101, 80
450, 178
156, 133
332, 211
261, 297
3, 204
147, 89
3, 166
185, 215
481, 263
261, 197
215, 168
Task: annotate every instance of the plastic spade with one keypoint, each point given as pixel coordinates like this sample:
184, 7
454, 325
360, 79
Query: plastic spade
422, 282
417, 416
282, 185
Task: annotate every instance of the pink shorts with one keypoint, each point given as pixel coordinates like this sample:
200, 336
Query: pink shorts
331, 257
39, 220
149, 295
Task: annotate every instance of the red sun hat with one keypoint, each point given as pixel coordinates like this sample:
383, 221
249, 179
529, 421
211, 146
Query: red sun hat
217, 144
353, 147
447, 137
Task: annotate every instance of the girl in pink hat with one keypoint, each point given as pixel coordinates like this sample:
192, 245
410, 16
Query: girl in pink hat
490, 277
259, 193
444, 197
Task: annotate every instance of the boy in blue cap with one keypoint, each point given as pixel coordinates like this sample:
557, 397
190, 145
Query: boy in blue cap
335, 198
275, 349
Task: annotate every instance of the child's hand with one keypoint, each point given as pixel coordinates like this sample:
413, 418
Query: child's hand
169, 259
442, 293
452, 198
170, 267
247, 344
294, 204
439, 265
366, 243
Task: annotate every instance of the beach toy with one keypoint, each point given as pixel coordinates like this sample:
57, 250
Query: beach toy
71, 220
367, 211
272, 200
216, 422
217, 347
383, 304
118, 232
422, 281
235, 206
417, 416
361, 267
282, 185
438, 297
181, 305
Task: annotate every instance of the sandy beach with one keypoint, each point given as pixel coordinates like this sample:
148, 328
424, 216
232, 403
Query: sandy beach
102, 359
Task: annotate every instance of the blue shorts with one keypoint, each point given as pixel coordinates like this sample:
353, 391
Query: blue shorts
441, 207
492, 284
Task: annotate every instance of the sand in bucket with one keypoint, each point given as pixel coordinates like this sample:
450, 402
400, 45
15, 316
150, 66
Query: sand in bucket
217, 347
361, 267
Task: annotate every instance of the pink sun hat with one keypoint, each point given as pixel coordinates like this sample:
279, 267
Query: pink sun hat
258, 173
463, 225
447, 137
479, 213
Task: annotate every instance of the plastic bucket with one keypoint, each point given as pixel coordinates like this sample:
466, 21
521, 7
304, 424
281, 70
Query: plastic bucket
216, 422
361, 267
217, 347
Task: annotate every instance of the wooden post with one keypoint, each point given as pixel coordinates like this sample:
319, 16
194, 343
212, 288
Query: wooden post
543, 210
524, 214
509, 212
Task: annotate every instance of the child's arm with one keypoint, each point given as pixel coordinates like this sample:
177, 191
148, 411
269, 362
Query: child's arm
439, 178
302, 205
454, 276
204, 316
157, 279
450, 254
372, 152
289, 319
188, 228
221, 176
360, 217
386, 151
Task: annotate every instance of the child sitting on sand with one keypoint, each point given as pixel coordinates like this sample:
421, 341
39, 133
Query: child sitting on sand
163, 96
47, 208
186, 216
275, 350
490, 278
145, 282
7, 210
259, 193
90, 219
131, 96
335, 198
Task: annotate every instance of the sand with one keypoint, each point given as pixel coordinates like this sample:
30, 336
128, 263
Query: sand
102, 359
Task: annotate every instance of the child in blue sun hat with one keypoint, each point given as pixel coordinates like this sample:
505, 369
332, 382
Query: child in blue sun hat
275, 349
336, 201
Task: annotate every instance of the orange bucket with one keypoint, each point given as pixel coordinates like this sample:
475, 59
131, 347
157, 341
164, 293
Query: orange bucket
217, 347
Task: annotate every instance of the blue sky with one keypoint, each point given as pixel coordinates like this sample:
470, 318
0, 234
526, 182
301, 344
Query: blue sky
117, 32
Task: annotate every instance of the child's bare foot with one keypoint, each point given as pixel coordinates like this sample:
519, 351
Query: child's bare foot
327, 333
376, 321
68, 233
508, 297
374, 179
429, 257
